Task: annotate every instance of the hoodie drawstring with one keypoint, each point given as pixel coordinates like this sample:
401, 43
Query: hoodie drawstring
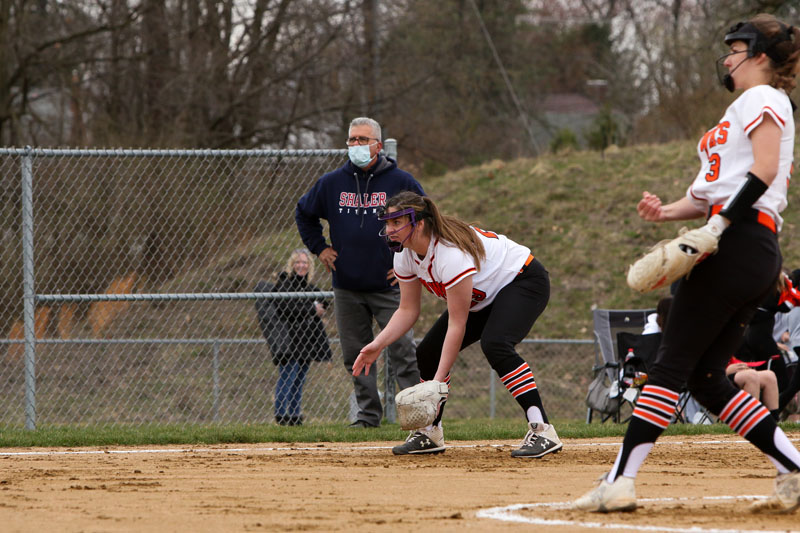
360, 197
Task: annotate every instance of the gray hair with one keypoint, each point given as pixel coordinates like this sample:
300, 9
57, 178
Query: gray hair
365, 121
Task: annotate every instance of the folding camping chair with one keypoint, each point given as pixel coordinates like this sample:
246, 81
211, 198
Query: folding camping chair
617, 331
604, 392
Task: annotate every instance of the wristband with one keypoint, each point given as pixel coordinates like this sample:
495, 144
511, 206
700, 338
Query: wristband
737, 207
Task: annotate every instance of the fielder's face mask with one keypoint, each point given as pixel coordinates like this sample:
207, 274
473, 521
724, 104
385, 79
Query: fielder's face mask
757, 43
386, 234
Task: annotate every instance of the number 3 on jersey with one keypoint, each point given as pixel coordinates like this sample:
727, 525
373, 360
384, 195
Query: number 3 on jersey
713, 167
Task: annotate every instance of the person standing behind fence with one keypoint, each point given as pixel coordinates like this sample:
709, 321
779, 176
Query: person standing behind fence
746, 162
494, 289
297, 334
364, 285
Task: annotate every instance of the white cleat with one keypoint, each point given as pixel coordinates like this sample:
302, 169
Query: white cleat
786, 497
609, 497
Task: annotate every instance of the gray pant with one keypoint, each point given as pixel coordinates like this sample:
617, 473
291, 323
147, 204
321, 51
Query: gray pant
354, 314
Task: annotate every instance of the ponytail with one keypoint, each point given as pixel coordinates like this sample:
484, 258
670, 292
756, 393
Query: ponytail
455, 231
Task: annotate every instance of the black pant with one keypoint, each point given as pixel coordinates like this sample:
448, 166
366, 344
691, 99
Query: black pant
710, 311
500, 326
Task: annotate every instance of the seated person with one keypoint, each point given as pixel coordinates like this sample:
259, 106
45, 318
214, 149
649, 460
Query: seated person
759, 344
760, 384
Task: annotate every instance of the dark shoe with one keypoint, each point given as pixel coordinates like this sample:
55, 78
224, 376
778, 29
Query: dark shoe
358, 424
295, 421
540, 440
283, 420
422, 441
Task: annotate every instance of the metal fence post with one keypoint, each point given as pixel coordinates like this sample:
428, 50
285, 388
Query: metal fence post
492, 394
390, 147
390, 410
216, 379
28, 294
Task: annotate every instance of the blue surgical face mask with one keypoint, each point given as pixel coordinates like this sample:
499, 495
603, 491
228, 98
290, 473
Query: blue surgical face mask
359, 155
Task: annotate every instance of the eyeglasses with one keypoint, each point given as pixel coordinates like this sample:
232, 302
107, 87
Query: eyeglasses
360, 140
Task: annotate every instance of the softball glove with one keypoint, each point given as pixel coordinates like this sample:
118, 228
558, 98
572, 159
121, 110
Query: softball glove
673, 259
418, 406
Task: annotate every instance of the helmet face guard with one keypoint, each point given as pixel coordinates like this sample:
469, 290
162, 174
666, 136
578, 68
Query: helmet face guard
393, 245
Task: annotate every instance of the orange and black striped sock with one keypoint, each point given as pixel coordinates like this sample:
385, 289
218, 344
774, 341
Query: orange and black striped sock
750, 419
651, 416
522, 386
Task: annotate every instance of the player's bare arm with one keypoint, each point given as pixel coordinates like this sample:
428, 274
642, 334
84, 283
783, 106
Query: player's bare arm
459, 299
766, 141
651, 209
402, 320
328, 257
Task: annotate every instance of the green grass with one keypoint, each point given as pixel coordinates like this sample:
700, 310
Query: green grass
455, 430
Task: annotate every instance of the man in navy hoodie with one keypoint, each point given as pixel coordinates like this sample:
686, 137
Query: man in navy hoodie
364, 285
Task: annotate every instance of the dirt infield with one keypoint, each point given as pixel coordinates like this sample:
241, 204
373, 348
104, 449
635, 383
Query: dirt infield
688, 482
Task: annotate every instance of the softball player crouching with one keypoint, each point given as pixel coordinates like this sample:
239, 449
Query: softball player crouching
495, 290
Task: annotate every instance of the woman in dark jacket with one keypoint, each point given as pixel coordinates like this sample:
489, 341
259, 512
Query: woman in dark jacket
306, 335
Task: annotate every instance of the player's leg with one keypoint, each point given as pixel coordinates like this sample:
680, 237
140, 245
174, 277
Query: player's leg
705, 323
402, 352
751, 419
354, 323
430, 439
511, 317
655, 407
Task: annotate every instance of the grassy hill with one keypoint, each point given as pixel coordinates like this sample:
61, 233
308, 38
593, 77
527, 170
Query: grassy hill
577, 212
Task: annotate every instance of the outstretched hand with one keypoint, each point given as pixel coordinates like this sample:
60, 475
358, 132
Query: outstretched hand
368, 355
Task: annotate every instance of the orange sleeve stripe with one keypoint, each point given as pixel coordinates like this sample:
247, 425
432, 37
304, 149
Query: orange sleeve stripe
405, 278
467, 272
772, 113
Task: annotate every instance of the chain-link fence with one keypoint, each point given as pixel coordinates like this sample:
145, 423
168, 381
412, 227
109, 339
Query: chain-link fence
127, 294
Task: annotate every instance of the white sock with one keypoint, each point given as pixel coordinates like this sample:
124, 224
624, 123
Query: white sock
534, 414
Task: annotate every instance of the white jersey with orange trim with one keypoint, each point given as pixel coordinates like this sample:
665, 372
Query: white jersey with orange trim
444, 266
726, 152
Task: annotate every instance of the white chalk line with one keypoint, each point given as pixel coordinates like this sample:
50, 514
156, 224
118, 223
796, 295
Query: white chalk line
326, 448
509, 514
